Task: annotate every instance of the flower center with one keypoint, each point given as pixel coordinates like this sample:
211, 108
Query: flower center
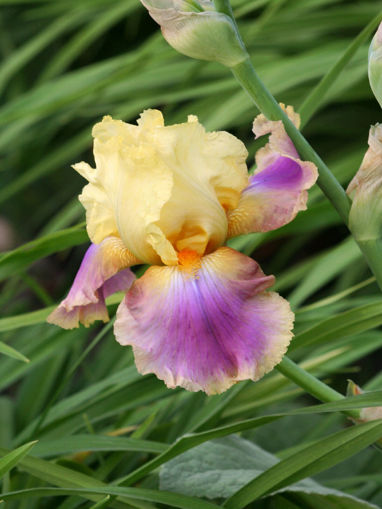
189, 260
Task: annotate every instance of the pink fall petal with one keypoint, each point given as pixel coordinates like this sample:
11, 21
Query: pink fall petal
273, 197
278, 189
101, 273
279, 142
207, 328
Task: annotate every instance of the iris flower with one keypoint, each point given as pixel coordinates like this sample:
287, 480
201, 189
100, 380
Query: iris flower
170, 196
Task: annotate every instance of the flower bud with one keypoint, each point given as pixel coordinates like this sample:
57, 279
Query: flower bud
375, 65
365, 218
197, 30
366, 414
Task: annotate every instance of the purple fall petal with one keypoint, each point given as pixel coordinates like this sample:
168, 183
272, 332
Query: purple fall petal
99, 276
278, 189
207, 328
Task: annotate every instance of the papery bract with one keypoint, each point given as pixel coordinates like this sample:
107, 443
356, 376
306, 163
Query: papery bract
365, 218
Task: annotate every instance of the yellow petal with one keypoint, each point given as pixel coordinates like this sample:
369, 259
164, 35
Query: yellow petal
100, 221
127, 189
162, 189
209, 172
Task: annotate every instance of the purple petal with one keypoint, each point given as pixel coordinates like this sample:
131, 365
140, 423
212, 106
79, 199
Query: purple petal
278, 190
279, 142
285, 174
99, 276
208, 327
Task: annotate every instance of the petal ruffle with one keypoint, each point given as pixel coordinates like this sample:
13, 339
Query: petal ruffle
128, 187
207, 328
162, 188
102, 272
209, 174
278, 189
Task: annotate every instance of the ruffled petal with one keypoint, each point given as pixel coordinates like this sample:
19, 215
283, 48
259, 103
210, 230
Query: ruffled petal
128, 187
162, 188
102, 272
273, 198
209, 172
100, 220
278, 142
213, 162
278, 189
206, 323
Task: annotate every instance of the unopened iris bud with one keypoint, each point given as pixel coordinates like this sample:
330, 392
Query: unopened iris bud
375, 65
365, 218
197, 30
368, 413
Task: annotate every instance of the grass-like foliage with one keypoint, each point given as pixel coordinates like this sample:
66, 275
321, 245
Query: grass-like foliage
79, 427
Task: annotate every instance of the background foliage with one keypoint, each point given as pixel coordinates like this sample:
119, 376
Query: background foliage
65, 64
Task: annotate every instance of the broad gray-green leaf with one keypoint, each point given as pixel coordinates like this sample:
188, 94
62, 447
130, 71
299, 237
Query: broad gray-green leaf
219, 468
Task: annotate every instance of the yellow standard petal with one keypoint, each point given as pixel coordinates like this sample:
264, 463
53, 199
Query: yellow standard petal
162, 188
209, 173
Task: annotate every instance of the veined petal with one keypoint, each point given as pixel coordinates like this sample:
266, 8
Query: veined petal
100, 220
278, 142
278, 189
215, 162
209, 172
102, 272
273, 197
128, 187
162, 188
206, 323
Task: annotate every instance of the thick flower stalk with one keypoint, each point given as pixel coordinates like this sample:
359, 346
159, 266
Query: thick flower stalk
169, 196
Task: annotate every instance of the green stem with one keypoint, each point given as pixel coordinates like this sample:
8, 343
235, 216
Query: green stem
267, 104
311, 384
264, 100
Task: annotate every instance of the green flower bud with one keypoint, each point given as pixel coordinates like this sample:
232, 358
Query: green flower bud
375, 65
197, 30
365, 218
